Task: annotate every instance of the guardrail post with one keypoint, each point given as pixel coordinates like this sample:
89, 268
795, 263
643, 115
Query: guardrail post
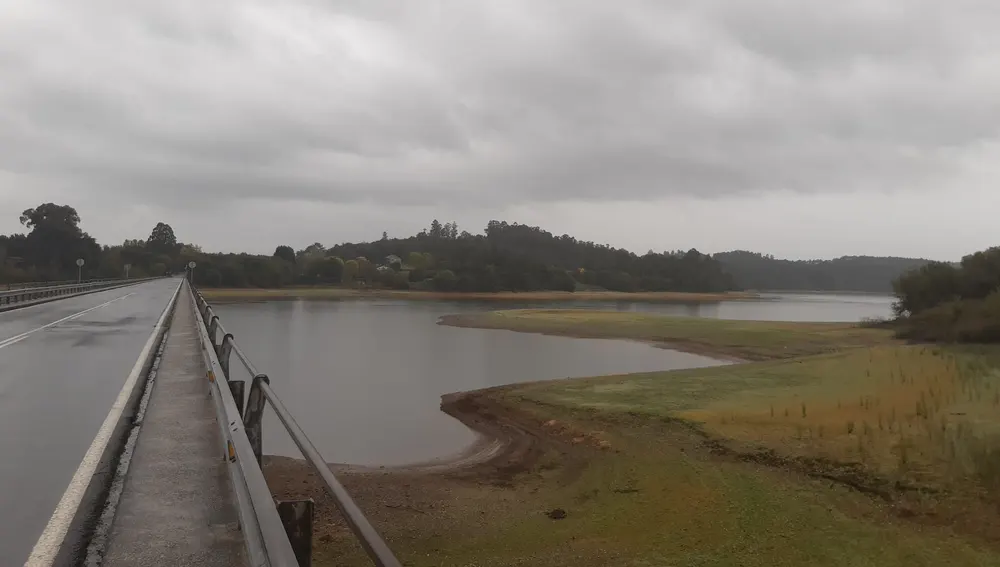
238, 388
253, 415
213, 328
297, 517
223, 351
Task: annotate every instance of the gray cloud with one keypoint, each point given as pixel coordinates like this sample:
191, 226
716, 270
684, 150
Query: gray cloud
476, 104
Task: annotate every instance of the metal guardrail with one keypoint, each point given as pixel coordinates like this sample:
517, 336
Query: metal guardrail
27, 285
276, 534
36, 293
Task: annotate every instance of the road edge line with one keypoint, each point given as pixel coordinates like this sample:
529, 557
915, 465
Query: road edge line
52, 545
18, 338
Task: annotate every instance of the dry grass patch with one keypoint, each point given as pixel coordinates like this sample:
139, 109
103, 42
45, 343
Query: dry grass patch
750, 340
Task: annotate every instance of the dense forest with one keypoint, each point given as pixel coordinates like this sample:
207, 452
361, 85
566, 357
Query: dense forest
754, 271
516, 257
504, 257
951, 303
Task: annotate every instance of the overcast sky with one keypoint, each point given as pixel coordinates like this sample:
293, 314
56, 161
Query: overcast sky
794, 127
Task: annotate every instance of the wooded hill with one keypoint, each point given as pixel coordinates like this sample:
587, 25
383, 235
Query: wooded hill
516, 257
754, 271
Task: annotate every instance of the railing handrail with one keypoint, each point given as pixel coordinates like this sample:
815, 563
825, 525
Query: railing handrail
267, 543
14, 286
8, 299
92, 283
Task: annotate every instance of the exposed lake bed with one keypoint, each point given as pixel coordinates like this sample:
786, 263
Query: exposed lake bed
746, 464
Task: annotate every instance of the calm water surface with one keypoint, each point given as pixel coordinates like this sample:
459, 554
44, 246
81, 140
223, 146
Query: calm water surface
364, 378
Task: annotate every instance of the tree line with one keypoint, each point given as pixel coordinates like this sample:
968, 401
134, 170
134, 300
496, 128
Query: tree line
756, 271
503, 257
54, 242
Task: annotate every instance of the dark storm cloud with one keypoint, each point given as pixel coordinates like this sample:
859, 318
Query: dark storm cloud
489, 103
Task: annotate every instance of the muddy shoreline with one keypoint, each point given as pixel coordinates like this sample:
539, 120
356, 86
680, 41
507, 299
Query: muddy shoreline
501, 437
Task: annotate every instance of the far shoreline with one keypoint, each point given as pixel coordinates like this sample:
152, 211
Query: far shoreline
320, 293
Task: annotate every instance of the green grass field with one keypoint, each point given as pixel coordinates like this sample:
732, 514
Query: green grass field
911, 412
667, 508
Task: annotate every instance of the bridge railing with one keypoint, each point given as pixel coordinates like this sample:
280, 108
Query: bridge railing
31, 294
26, 285
276, 534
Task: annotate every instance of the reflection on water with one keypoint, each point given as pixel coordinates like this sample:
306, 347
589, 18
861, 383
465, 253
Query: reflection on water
364, 378
771, 307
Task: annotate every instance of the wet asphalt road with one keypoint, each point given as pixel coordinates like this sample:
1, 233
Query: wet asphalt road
56, 387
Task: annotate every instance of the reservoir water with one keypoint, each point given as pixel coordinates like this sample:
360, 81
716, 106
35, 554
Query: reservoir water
364, 377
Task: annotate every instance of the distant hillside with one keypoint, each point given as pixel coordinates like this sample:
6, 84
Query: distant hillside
751, 270
517, 257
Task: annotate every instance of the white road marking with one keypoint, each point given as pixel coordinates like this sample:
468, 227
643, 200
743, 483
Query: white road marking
45, 550
22, 336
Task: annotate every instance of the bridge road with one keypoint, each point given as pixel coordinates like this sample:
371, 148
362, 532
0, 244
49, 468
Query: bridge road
62, 366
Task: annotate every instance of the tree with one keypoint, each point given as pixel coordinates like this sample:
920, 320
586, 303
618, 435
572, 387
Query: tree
309, 253
445, 280
350, 271
162, 240
980, 273
285, 253
926, 287
437, 231
56, 241
326, 270
416, 260
50, 216
366, 270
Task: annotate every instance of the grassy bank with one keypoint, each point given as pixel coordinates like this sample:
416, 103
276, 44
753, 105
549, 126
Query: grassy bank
902, 416
242, 294
843, 449
749, 340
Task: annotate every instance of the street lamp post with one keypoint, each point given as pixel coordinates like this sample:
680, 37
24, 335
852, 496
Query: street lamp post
127, 268
79, 270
